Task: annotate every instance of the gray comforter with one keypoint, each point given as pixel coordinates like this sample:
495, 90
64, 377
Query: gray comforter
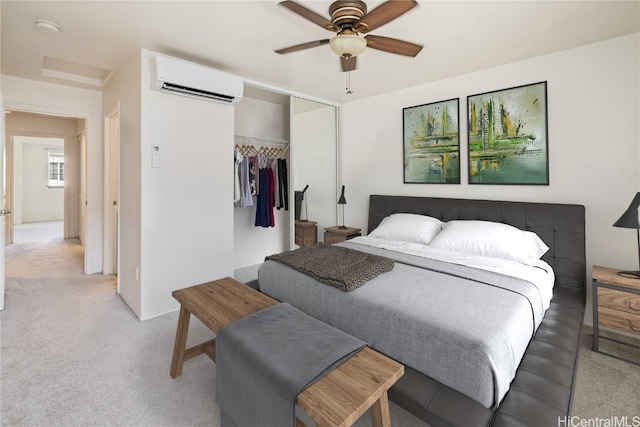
464, 327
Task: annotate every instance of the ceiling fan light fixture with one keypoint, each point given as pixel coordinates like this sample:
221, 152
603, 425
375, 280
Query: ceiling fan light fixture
347, 44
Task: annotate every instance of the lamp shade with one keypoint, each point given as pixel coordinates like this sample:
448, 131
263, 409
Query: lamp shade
347, 44
342, 200
629, 218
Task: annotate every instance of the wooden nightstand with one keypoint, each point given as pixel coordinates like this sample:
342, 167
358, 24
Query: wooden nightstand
306, 233
336, 234
616, 305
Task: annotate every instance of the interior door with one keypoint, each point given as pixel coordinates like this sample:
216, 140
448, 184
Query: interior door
112, 173
8, 191
114, 165
82, 195
2, 211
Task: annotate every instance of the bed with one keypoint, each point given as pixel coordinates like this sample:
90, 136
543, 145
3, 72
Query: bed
456, 382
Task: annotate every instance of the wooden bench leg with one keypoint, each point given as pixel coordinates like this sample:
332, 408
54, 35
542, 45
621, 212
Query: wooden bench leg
181, 342
208, 348
380, 412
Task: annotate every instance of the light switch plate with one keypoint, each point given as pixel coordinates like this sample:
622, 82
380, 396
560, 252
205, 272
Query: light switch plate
155, 156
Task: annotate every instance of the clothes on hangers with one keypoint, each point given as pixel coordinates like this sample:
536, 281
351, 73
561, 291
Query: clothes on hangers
261, 173
245, 198
253, 175
246, 190
263, 219
283, 183
266, 191
237, 159
276, 186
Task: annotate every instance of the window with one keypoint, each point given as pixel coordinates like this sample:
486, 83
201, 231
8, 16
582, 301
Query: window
56, 169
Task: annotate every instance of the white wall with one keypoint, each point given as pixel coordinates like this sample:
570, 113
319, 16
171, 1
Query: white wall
125, 87
258, 118
186, 203
176, 221
594, 149
36, 201
46, 98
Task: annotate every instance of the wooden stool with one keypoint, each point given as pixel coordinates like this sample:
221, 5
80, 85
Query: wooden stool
337, 399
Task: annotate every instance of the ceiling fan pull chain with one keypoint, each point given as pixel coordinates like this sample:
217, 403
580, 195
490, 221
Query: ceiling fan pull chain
349, 91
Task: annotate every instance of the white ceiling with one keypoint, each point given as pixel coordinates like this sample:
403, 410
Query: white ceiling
459, 37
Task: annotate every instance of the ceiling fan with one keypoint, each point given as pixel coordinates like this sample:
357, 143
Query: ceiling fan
348, 19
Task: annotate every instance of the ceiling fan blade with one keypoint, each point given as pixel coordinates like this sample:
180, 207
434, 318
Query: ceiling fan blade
393, 45
383, 14
309, 15
348, 64
302, 46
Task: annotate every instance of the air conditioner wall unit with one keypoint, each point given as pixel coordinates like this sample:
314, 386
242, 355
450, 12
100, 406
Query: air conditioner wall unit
196, 81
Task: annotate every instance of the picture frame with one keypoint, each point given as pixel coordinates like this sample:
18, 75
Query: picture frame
508, 136
431, 143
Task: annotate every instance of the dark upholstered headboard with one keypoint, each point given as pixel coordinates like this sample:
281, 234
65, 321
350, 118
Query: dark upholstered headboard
560, 226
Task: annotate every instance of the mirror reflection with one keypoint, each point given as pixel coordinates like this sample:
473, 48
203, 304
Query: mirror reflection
314, 168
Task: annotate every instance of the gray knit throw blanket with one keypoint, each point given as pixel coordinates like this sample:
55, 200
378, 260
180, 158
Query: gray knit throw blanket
344, 268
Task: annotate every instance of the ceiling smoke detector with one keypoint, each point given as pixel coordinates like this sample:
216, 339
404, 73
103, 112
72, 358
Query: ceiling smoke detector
47, 26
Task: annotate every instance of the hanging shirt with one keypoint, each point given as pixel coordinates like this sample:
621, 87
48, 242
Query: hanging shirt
253, 175
262, 204
237, 159
284, 186
272, 220
244, 182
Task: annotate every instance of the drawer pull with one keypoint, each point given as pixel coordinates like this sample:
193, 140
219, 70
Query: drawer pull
630, 304
632, 327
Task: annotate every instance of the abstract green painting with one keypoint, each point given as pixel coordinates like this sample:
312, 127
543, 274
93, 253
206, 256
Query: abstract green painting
508, 136
432, 143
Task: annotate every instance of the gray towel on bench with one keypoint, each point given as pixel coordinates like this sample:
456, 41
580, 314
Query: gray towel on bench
264, 360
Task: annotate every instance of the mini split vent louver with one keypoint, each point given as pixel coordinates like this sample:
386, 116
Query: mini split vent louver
196, 81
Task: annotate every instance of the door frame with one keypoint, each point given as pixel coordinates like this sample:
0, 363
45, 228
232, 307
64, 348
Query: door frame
111, 235
58, 112
2, 188
8, 185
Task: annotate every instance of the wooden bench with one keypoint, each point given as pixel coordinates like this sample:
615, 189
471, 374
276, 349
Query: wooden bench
337, 399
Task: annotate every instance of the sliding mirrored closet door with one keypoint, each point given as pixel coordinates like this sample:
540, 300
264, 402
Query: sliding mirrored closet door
314, 162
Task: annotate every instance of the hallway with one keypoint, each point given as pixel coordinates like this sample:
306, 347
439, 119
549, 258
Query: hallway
74, 354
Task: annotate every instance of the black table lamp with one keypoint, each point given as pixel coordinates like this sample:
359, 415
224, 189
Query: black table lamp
342, 201
629, 219
306, 212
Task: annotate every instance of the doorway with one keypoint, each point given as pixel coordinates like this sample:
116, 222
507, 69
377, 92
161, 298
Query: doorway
43, 165
36, 170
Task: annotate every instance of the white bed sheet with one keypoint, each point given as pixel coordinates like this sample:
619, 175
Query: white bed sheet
540, 273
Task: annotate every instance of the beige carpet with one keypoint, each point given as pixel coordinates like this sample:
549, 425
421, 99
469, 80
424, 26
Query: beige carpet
73, 354
607, 387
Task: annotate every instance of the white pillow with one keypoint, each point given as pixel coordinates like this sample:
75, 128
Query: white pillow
490, 239
407, 227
